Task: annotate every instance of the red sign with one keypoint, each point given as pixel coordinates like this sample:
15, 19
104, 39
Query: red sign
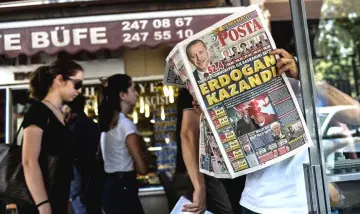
102, 35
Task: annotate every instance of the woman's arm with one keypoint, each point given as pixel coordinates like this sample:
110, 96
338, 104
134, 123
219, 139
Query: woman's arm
33, 175
134, 146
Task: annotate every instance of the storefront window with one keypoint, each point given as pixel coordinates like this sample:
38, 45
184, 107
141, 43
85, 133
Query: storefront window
155, 118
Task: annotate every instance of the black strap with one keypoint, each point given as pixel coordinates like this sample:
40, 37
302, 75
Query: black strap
26, 109
98, 152
14, 142
42, 203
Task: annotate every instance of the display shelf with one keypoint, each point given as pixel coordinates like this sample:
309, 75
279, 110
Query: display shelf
151, 191
344, 177
145, 134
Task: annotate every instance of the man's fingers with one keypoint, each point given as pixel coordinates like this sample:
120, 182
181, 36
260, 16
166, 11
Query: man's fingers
283, 61
288, 67
190, 208
281, 52
195, 103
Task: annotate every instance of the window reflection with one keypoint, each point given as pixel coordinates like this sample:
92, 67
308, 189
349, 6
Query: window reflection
340, 141
336, 51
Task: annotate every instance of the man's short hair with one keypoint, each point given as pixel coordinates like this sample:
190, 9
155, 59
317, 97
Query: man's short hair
272, 125
78, 104
193, 43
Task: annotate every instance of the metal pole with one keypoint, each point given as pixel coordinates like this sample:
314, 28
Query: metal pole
319, 189
356, 77
245, 3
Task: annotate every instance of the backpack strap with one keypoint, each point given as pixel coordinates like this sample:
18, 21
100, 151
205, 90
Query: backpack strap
14, 141
26, 109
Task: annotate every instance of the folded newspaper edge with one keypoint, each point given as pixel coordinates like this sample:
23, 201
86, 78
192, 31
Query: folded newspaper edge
180, 204
248, 152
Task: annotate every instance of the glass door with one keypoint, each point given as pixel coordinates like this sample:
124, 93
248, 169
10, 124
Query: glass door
329, 62
336, 62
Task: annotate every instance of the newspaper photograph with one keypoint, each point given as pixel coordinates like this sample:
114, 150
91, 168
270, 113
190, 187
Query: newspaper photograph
251, 110
174, 66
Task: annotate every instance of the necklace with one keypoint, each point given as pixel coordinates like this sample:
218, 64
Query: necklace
56, 107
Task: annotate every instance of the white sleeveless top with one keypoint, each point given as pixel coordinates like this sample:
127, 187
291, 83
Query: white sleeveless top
114, 149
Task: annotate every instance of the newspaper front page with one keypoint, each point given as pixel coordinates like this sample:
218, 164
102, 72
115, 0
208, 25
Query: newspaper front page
252, 119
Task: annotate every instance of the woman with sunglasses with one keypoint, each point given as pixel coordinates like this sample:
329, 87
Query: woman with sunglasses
120, 146
45, 134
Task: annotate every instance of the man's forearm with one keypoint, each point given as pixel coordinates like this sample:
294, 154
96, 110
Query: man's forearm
190, 151
335, 97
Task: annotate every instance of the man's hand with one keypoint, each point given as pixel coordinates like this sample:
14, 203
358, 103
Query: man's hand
286, 63
199, 202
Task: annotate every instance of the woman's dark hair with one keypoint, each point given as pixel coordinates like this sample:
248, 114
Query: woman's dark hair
42, 78
78, 104
109, 108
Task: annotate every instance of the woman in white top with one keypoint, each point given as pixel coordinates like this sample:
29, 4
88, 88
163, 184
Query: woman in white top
120, 146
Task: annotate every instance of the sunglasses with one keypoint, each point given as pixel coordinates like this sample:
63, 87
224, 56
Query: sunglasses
77, 83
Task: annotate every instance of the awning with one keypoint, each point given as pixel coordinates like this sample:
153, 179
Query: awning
106, 31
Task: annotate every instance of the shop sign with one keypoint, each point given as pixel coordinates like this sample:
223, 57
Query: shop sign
92, 36
151, 94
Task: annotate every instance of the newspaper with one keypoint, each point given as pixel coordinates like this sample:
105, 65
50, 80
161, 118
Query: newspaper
170, 74
250, 111
210, 158
180, 204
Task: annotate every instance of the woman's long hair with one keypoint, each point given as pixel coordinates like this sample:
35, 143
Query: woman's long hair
110, 108
43, 77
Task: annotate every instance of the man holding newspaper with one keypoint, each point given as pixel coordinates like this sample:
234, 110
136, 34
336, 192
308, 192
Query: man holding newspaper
251, 111
259, 183
239, 102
